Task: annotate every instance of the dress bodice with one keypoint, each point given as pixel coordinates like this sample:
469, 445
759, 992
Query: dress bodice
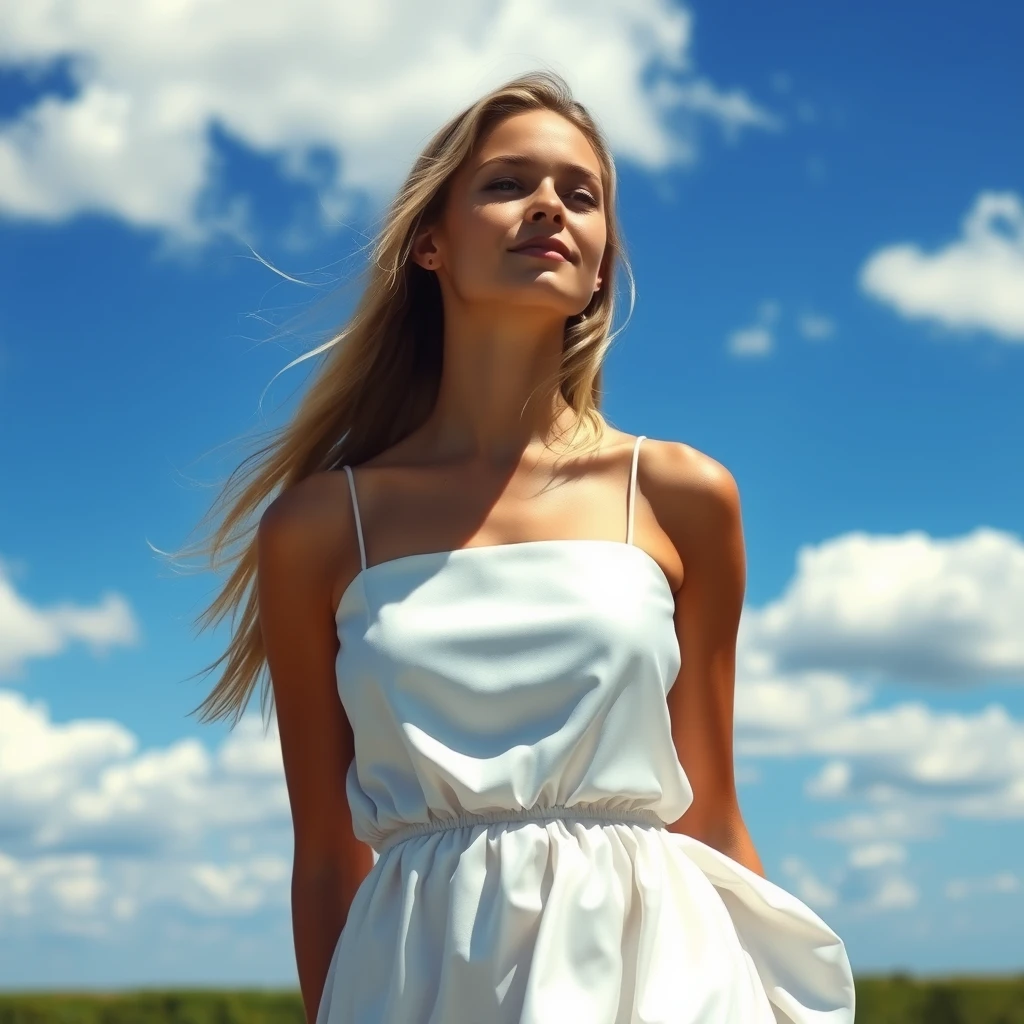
520, 676
506, 679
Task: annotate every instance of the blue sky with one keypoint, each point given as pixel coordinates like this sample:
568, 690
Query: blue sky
824, 209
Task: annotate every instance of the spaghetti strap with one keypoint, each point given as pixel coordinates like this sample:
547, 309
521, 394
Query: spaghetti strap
632, 488
355, 510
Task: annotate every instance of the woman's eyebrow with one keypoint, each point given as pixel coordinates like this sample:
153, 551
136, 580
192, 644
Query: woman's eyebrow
519, 160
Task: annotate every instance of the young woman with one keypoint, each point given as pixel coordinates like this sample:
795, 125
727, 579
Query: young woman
522, 807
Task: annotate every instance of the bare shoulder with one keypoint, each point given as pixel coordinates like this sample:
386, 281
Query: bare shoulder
298, 508
694, 496
680, 470
307, 528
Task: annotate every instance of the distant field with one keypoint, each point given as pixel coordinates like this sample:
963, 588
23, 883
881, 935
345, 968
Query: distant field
891, 999
153, 1006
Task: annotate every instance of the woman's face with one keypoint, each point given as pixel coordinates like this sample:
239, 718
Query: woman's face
534, 174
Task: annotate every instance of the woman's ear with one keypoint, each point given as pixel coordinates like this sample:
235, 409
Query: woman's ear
425, 253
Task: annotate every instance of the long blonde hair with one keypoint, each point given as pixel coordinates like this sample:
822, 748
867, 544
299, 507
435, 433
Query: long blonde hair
381, 384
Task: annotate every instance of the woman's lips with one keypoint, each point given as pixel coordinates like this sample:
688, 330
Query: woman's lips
543, 252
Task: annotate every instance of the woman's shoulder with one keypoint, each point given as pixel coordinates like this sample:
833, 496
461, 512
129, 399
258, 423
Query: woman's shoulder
306, 516
679, 463
684, 481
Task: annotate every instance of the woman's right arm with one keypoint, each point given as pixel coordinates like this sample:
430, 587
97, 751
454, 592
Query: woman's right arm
300, 539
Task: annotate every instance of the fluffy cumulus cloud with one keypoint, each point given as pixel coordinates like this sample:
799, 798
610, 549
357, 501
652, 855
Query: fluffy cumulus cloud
967, 764
975, 282
861, 611
85, 785
340, 96
92, 828
910, 607
911, 765
28, 630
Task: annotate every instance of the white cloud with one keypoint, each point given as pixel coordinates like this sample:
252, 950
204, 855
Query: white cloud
756, 340
973, 283
831, 781
944, 762
773, 712
876, 604
908, 607
1001, 882
85, 785
90, 896
235, 888
815, 327
94, 830
807, 886
907, 821
750, 341
915, 764
972, 761
66, 890
874, 878
732, 110
871, 880
29, 631
364, 85
862, 609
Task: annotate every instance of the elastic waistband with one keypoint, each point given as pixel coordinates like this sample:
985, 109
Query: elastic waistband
516, 816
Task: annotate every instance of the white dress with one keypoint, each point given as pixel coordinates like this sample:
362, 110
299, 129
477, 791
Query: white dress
514, 770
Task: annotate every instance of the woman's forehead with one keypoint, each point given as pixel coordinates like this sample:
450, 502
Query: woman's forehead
537, 138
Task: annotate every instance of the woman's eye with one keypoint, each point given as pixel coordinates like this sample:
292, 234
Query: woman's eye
579, 194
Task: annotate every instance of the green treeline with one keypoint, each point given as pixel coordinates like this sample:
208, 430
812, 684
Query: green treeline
901, 999
180, 1006
893, 999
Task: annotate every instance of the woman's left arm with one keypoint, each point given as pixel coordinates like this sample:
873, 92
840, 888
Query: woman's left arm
699, 507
